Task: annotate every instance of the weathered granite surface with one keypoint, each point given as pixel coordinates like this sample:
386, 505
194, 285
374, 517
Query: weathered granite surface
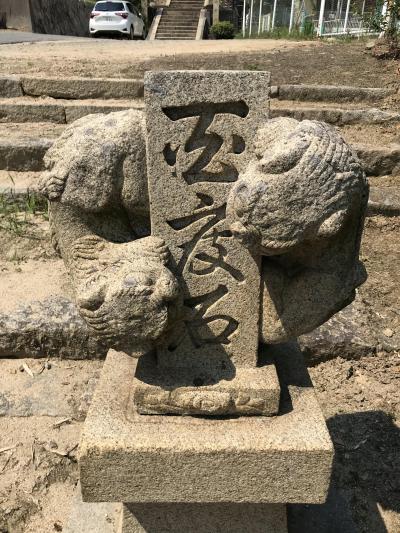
52, 327
97, 180
75, 174
233, 196
168, 459
172, 518
302, 203
251, 391
204, 518
201, 128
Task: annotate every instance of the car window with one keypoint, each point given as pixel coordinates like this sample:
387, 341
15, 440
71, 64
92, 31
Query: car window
109, 6
134, 10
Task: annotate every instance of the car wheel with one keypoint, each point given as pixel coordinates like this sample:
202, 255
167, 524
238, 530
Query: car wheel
144, 33
131, 34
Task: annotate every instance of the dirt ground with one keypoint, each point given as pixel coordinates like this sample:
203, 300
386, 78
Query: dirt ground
42, 408
335, 63
360, 400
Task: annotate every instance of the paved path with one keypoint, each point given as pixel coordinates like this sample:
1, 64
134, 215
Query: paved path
80, 47
14, 37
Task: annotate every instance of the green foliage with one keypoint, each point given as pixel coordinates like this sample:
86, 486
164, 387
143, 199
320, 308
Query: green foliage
281, 32
309, 28
388, 23
223, 30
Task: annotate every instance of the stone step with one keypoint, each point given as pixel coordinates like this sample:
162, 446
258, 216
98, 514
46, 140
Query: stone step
176, 25
332, 114
186, 6
23, 156
22, 148
180, 15
110, 88
379, 160
60, 111
179, 29
331, 93
384, 201
174, 38
173, 31
184, 10
71, 88
190, 2
183, 33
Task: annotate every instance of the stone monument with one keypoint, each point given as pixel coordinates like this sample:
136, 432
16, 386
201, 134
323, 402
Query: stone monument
200, 238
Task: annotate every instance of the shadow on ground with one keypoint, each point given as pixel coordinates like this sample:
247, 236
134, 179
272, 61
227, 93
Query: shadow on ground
364, 495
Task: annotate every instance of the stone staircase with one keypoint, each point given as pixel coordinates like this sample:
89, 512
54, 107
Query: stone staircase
35, 111
179, 20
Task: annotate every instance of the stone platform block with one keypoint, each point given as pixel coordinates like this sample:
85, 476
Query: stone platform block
175, 518
129, 457
203, 518
249, 391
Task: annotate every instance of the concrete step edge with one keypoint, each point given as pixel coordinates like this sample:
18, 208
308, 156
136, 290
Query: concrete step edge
384, 201
27, 154
336, 115
119, 88
60, 113
71, 88
332, 93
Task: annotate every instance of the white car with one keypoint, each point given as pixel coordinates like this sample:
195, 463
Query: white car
118, 18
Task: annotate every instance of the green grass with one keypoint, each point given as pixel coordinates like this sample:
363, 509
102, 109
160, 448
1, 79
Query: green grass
307, 35
281, 33
16, 211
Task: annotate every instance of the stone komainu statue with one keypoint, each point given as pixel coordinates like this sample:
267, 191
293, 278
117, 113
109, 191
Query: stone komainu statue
301, 201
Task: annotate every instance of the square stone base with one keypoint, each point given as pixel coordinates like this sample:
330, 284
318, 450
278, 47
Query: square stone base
203, 518
176, 518
251, 391
129, 457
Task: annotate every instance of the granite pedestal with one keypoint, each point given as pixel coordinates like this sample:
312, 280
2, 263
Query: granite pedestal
210, 474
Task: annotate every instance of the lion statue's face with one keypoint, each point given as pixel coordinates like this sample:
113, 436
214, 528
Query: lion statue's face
302, 186
125, 293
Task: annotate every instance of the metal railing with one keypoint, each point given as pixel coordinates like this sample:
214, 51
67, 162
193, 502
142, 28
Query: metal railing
353, 25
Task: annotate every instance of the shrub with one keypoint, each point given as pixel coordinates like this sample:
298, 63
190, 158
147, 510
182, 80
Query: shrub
223, 30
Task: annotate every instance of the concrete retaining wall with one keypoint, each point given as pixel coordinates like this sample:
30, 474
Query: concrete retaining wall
65, 17
17, 14
57, 17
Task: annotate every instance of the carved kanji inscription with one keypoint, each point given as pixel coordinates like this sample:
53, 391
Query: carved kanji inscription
201, 127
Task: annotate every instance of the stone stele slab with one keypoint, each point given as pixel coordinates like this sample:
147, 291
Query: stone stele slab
200, 135
128, 457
